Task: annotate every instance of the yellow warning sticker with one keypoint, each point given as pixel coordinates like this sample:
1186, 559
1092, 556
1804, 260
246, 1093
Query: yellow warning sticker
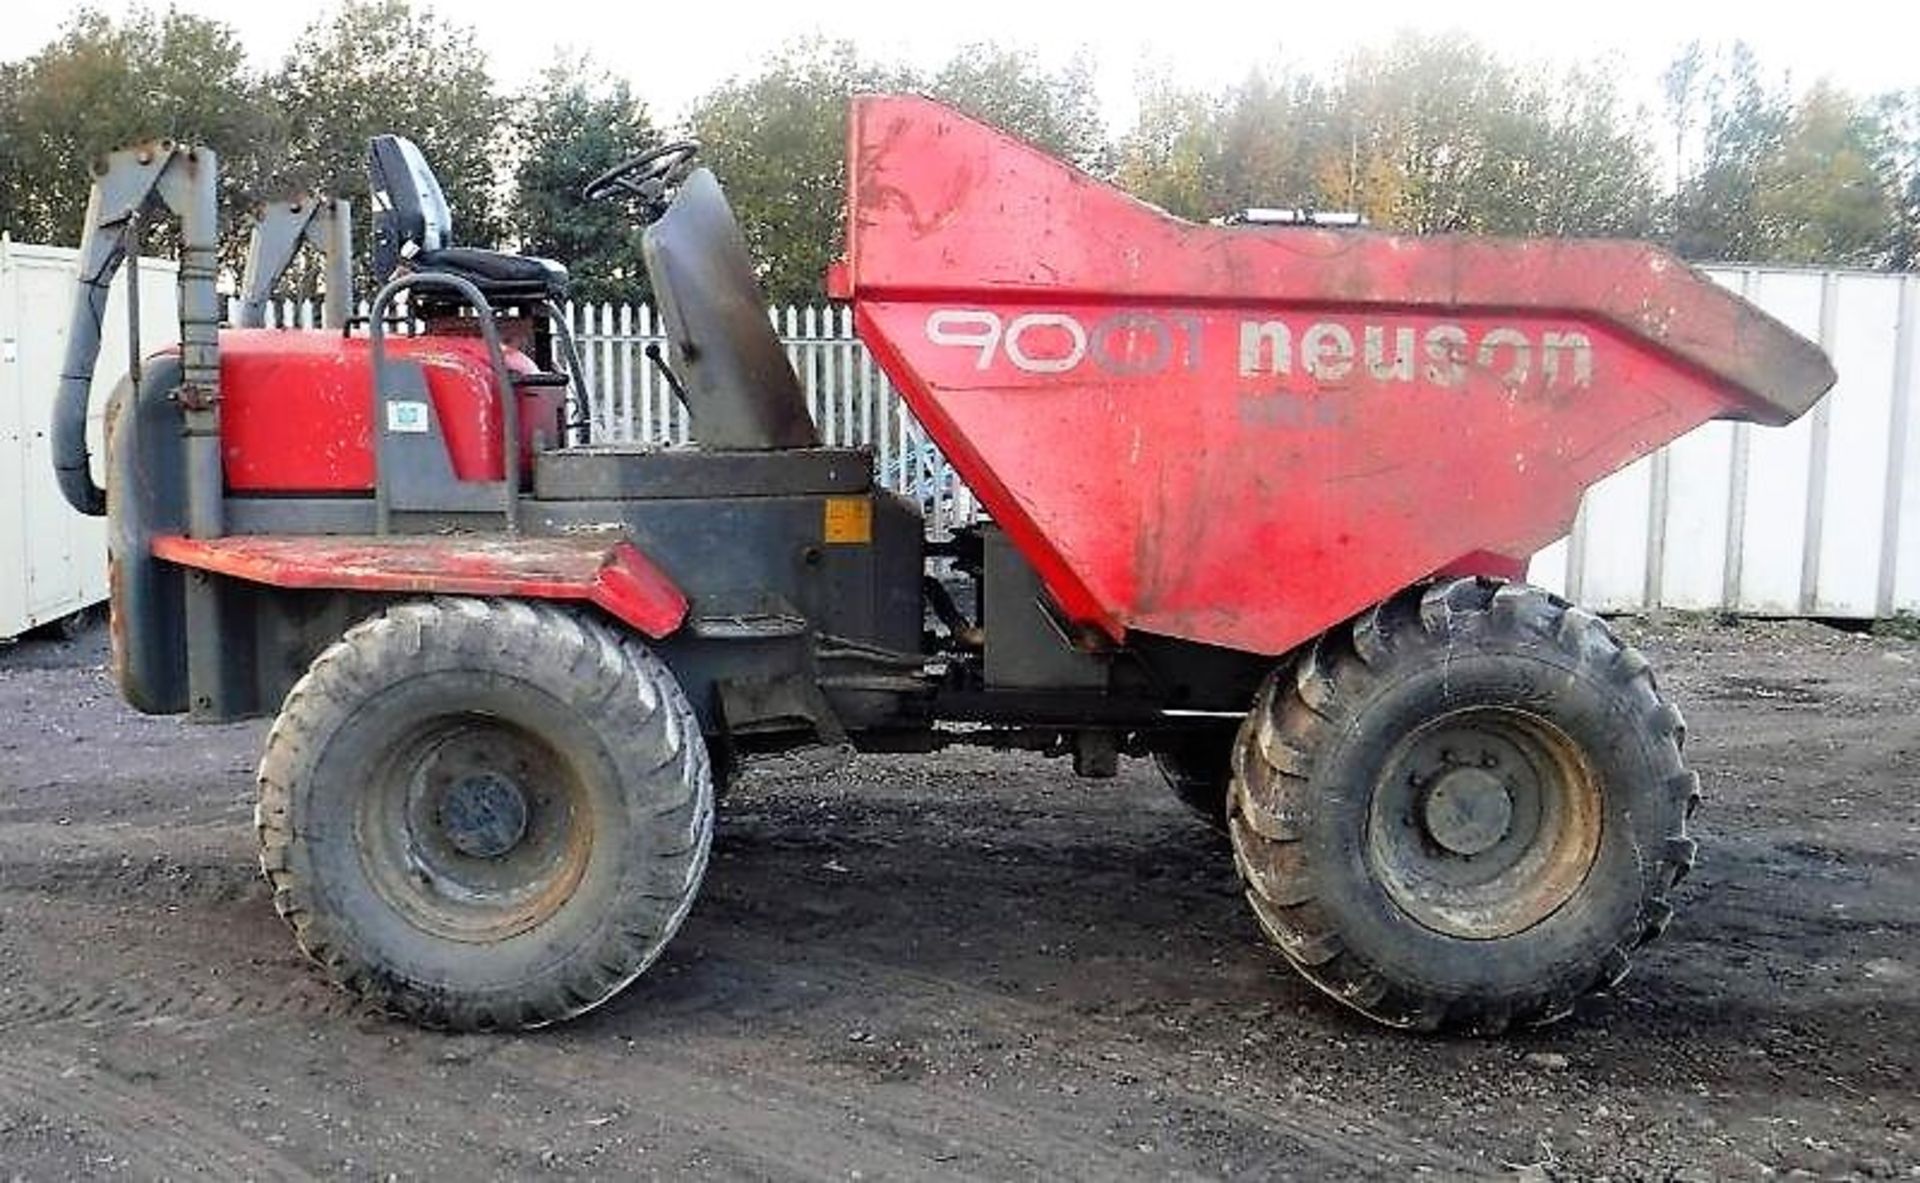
848, 520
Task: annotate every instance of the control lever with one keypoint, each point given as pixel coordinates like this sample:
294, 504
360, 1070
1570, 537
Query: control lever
666, 371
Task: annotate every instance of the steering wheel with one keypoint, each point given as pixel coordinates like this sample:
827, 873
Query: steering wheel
643, 176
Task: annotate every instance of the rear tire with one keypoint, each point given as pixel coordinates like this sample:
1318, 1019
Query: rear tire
1464, 809
484, 814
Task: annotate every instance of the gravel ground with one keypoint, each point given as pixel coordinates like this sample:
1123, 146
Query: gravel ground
970, 965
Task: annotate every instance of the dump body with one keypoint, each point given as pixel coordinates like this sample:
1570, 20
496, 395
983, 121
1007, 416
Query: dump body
1243, 435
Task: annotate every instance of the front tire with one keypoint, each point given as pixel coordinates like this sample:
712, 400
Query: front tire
1464, 809
484, 814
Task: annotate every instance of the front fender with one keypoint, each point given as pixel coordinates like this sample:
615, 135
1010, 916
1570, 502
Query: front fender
609, 572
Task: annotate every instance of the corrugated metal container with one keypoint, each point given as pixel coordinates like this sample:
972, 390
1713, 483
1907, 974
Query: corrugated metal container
1819, 518
53, 561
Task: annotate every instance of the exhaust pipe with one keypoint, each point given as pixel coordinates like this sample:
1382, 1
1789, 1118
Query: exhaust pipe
100, 256
184, 181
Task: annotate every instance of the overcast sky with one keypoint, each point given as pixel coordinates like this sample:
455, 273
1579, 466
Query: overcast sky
673, 50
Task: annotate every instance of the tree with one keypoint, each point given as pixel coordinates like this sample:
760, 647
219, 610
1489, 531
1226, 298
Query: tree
776, 141
1680, 85
1810, 178
1819, 198
1054, 110
1427, 135
384, 66
103, 85
777, 138
1167, 159
574, 124
1453, 140
1713, 215
1898, 115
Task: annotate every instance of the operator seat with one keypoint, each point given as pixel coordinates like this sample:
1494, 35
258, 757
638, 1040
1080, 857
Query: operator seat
413, 228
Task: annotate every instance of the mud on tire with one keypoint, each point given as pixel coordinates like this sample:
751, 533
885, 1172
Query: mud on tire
484, 814
1464, 809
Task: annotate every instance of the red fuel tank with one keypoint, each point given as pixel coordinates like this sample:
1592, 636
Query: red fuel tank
297, 408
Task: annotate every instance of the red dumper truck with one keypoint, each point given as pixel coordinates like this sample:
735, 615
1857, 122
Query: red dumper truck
1257, 502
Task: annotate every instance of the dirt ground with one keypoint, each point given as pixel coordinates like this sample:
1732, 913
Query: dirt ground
970, 965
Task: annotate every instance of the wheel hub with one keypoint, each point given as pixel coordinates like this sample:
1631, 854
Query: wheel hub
475, 828
1483, 822
1468, 811
484, 815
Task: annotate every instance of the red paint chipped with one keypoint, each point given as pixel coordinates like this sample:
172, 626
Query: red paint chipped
613, 575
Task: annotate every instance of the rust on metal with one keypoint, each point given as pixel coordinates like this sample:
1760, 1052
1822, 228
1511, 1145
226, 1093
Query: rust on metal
608, 572
1242, 435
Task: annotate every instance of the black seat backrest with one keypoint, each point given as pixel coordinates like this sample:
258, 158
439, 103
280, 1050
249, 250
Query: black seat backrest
410, 211
741, 389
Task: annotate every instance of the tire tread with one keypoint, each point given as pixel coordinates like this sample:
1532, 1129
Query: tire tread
1298, 710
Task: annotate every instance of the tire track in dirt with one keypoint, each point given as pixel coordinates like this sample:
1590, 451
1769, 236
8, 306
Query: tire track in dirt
163, 1139
1035, 1136
1338, 1135
868, 991
130, 1002
786, 1121
776, 1125
116, 879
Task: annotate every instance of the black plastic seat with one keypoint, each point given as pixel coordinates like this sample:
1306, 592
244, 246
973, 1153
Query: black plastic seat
524, 277
413, 228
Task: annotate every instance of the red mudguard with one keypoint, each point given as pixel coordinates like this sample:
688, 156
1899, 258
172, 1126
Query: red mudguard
1243, 435
615, 576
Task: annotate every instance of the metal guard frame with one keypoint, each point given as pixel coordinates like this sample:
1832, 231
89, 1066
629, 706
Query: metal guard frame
509, 404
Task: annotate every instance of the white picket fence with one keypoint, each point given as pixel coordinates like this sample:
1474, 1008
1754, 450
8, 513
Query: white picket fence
1818, 518
852, 402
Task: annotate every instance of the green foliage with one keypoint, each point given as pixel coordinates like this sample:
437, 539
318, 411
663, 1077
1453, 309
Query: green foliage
1169, 159
1898, 118
1056, 111
1421, 134
103, 85
1713, 212
777, 138
1451, 139
1428, 135
572, 125
378, 66
776, 141
1820, 199
375, 65
1817, 178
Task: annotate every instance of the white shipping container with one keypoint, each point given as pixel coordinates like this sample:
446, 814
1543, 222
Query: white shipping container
53, 561
1818, 518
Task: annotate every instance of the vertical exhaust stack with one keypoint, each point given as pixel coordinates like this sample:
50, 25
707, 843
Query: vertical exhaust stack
102, 250
183, 181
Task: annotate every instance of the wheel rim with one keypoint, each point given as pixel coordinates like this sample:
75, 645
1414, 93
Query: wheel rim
1484, 822
474, 829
